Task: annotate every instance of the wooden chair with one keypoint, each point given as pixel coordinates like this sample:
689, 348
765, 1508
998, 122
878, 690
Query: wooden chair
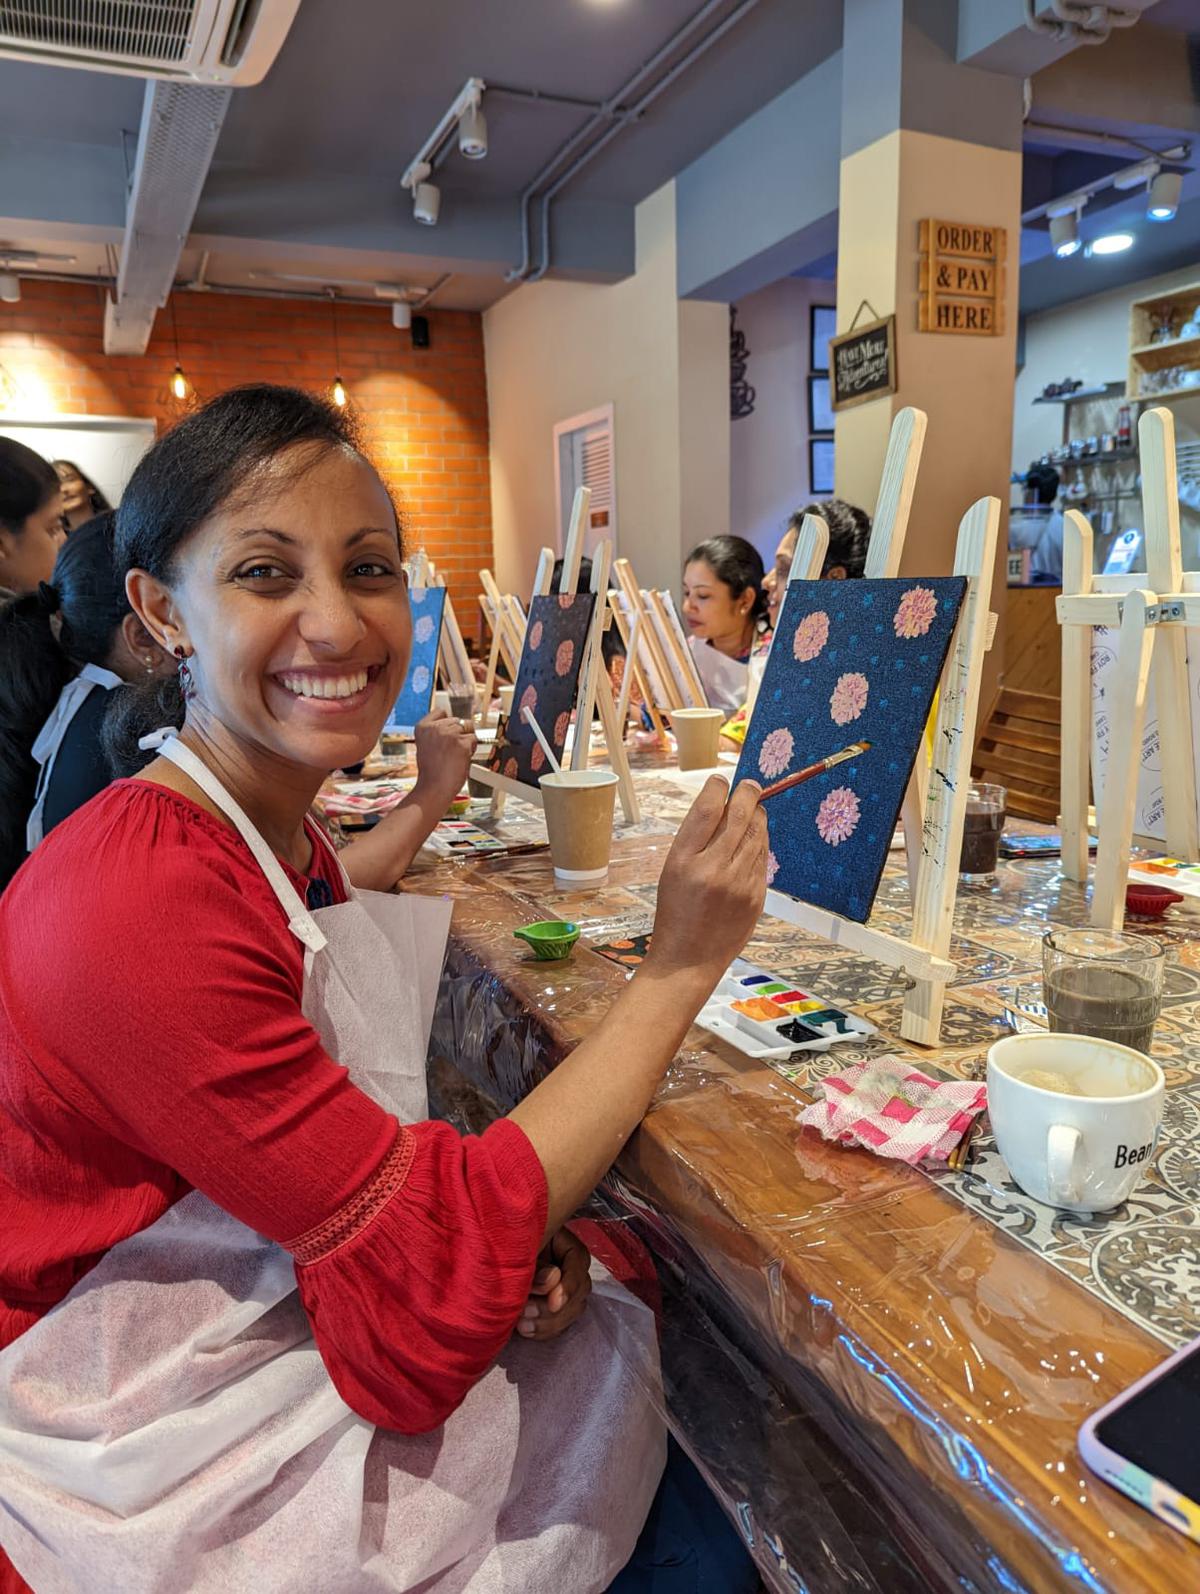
1019, 749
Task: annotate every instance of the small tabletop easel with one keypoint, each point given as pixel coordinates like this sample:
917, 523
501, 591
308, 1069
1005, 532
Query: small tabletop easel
594, 691
454, 662
924, 955
659, 654
1150, 613
508, 619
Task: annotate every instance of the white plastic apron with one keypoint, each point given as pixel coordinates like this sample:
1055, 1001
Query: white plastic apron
169, 1428
50, 737
724, 679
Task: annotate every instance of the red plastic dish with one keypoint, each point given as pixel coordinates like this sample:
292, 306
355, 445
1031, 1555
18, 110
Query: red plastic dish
1149, 902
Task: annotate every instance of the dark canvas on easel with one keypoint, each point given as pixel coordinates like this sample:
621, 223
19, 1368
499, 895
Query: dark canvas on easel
852, 661
428, 605
547, 679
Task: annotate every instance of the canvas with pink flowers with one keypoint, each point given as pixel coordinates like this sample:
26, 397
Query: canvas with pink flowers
428, 605
852, 661
547, 678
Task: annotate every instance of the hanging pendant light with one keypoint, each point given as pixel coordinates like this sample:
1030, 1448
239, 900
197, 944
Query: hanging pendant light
339, 390
179, 382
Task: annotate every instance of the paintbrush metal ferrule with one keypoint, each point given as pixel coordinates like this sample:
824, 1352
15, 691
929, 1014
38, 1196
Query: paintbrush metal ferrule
855, 750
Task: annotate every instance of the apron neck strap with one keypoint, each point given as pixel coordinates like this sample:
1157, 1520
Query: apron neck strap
300, 921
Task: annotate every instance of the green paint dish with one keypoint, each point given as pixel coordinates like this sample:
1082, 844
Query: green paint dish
549, 939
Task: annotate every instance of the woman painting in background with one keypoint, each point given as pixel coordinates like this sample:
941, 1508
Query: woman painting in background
845, 558
725, 609
31, 528
62, 650
81, 497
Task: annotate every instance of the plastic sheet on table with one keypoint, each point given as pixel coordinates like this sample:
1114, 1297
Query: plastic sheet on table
883, 1388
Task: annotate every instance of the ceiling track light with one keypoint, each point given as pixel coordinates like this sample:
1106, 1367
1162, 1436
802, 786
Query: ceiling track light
464, 116
1162, 196
10, 287
1064, 234
402, 315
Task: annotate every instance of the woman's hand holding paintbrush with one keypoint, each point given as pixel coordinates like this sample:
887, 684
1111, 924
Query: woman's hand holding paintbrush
819, 768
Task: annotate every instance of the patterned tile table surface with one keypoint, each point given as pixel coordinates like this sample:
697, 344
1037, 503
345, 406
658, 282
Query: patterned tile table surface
962, 1331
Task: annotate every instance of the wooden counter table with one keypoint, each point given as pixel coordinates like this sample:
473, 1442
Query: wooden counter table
882, 1371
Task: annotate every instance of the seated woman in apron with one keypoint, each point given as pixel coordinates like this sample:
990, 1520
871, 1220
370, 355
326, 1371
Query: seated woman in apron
259, 1312
725, 610
62, 650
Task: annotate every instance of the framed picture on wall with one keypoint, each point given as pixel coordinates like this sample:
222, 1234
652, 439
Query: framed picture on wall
820, 411
822, 325
820, 467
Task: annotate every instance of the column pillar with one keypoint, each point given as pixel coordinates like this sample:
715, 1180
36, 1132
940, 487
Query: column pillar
922, 138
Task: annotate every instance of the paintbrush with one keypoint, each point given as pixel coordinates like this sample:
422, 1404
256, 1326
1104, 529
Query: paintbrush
818, 768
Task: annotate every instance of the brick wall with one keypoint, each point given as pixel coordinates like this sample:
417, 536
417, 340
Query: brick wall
424, 410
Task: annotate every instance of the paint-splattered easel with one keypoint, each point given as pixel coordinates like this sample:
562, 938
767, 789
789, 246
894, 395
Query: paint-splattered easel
1152, 614
595, 690
935, 804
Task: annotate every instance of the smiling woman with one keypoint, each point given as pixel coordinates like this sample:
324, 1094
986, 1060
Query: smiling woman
216, 1160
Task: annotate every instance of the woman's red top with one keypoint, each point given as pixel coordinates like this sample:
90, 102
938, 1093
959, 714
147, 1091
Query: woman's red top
152, 1042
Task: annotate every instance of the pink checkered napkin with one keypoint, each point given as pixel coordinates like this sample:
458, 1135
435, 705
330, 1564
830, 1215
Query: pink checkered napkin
895, 1110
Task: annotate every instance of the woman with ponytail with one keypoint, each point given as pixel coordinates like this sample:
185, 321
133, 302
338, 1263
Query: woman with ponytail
726, 613
58, 644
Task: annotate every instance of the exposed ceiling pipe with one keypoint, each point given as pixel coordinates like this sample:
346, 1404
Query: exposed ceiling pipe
613, 103
102, 279
647, 99
1087, 138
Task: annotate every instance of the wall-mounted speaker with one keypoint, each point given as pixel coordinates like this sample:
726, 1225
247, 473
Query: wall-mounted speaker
420, 332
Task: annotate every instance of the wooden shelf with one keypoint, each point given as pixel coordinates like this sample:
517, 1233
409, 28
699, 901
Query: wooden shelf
1172, 351
1168, 393
1109, 390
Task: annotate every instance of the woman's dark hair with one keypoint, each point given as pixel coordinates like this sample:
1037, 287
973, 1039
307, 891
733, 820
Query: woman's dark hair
849, 533
27, 482
205, 462
738, 564
99, 504
46, 637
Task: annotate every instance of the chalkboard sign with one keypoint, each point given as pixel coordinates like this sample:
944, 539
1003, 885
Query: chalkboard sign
863, 363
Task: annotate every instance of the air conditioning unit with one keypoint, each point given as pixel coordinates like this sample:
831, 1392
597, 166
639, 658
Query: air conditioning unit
228, 42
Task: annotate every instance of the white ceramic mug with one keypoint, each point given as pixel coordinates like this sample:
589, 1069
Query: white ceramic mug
1084, 1149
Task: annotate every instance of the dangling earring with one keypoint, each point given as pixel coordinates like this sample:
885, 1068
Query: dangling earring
186, 684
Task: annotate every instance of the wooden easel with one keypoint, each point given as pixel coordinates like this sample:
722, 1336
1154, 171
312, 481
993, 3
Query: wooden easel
454, 662
595, 690
508, 619
924, 956
1151, 614
667, 674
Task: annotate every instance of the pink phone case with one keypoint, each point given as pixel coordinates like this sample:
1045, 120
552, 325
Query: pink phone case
1171, 1507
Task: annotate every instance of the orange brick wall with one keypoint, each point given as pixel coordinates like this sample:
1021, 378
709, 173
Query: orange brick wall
424, 411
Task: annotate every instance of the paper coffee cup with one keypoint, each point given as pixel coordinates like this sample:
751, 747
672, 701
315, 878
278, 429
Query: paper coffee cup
441, 702
697, 736
579, 822
1076, 1119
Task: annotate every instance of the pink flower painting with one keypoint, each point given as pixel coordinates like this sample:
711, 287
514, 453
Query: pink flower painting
776, 753
838, 816
423, 629
772, 868
811, 636
535, 636
849, 697
566, 599
915, 612
560, 728
420, 679
510, 768
537, 757
528, 701
564, 658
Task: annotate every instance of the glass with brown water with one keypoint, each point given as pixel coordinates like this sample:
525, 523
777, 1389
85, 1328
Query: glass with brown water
1103, 983
982, 827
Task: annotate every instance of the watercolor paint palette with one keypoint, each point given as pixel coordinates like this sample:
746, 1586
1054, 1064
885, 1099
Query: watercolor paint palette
459, 837
766, 1016
1177, 873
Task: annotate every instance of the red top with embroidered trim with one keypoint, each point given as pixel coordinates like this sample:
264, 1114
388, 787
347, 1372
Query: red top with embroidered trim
151, 1042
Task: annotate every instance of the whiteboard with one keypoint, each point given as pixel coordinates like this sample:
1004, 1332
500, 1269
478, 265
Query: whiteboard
105, 447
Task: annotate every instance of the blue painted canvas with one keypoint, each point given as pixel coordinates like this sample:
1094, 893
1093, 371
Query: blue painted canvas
852, 661
547, 680
416, 695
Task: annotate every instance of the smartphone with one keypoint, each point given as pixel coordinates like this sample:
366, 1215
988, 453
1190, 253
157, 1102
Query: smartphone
1145, 1442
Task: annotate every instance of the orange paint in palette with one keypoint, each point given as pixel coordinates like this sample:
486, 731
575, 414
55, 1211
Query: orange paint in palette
761, 1008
